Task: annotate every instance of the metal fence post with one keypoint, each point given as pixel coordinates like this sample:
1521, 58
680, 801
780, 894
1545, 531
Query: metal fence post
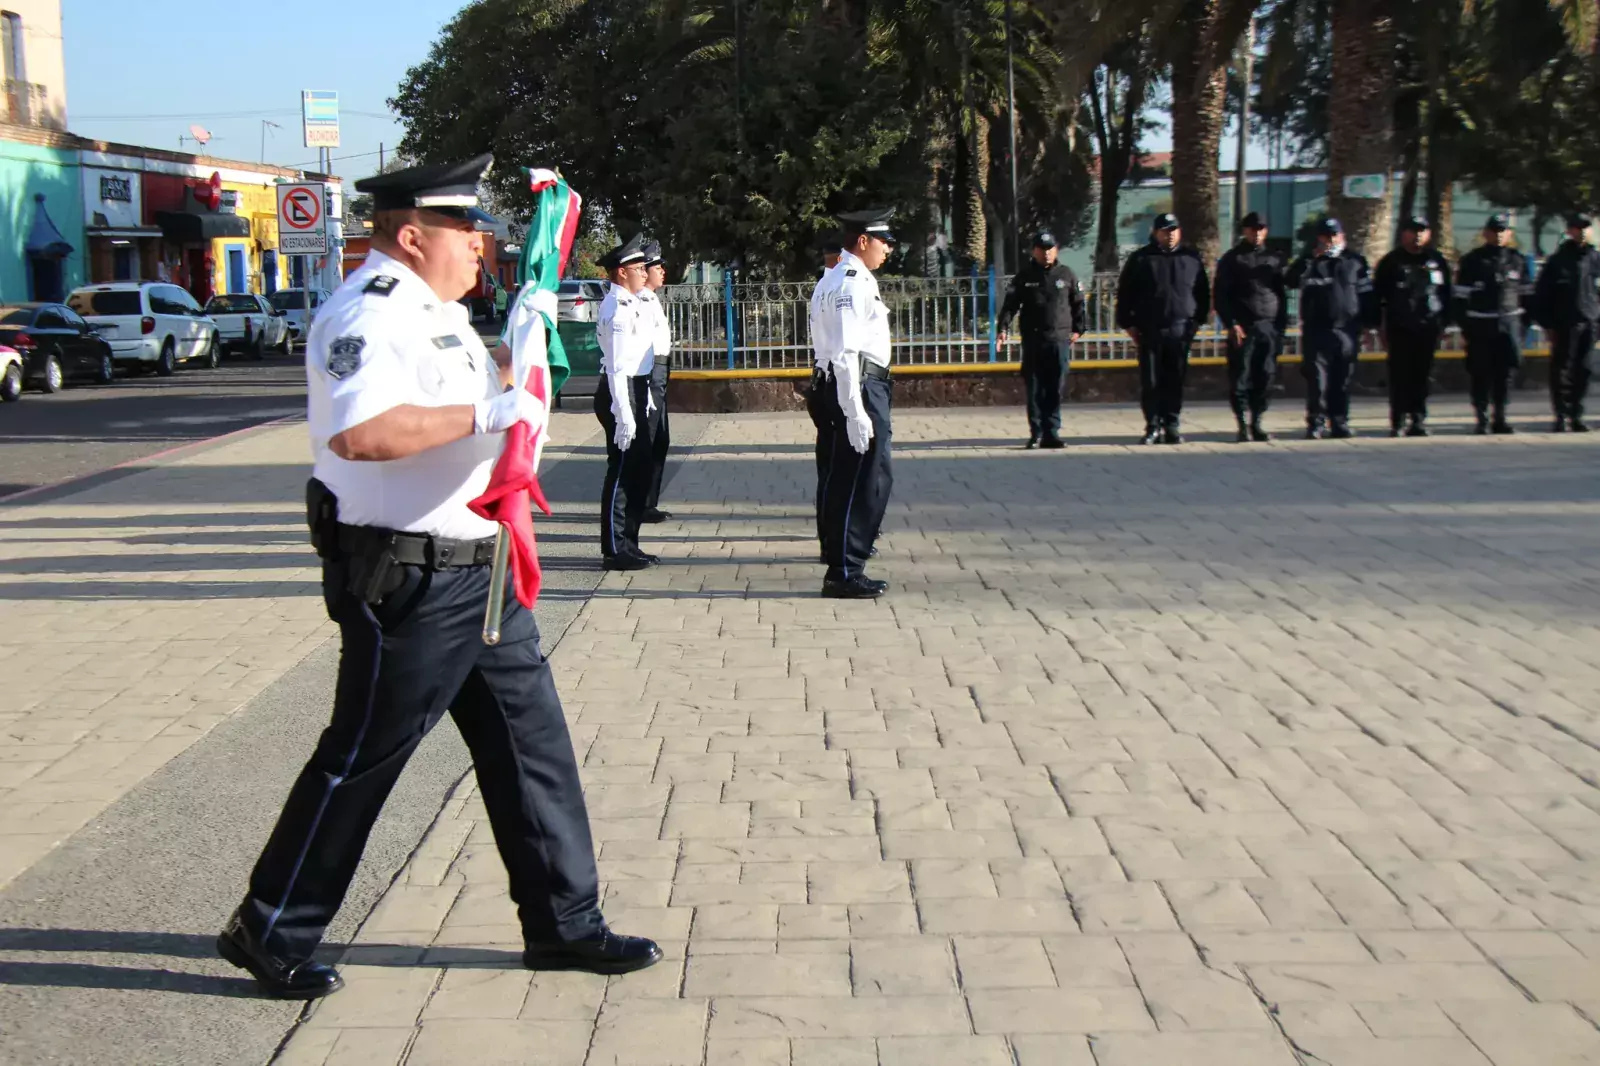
727, 304
992, 340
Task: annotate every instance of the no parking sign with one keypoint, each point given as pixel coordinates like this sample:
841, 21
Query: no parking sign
302, 222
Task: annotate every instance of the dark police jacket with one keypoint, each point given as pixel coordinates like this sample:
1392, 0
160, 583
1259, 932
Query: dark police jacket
1491, 284
1413, 289
1051, 301
1335, 290
1566, 295
1163, 290
1250, 288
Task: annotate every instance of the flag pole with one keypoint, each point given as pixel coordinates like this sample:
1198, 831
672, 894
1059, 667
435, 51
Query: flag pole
496, 607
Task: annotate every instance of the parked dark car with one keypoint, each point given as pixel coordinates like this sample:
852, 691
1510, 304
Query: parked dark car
56, 345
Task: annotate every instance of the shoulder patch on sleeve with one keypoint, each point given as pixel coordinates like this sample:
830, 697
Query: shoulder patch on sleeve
383, 285
344, 356
849, 273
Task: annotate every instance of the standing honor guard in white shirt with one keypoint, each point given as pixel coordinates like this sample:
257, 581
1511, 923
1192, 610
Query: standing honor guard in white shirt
625, 406
407, 412
853, 357
661, 444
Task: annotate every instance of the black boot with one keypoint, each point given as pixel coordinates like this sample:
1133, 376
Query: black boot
1152, 434
1170, 434
1416, 429
1482, 425
1258, 434
1559, 425
1579, 425
1500, 426
1340, 430
1397, 424
1243, 436
1314, 430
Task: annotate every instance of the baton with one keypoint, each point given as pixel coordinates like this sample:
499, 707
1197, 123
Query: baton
496, 607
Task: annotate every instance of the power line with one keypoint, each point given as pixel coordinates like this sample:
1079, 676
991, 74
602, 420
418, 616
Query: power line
193, 116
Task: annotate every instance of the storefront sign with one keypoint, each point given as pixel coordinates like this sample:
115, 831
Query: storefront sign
319, 113
113, 195
229, 204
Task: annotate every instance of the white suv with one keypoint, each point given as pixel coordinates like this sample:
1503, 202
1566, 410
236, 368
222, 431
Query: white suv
149, 324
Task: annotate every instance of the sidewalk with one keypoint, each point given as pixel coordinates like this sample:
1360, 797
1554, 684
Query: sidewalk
1221, 755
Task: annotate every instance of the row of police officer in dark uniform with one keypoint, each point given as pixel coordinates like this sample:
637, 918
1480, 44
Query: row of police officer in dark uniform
1164, 298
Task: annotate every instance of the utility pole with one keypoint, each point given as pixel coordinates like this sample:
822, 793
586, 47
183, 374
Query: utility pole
380, 157
1247, 61
264, 124
1011, 100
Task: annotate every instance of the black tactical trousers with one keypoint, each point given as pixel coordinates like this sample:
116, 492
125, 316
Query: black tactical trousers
1494, 351
661, 443
404, 662
1329, 364
820, 406
1163, 365
1410, 367
1045, 362
628, 474
853, 490
1571, 350
1252, 364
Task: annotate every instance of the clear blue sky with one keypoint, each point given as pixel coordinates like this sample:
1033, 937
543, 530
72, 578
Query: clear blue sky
141, 71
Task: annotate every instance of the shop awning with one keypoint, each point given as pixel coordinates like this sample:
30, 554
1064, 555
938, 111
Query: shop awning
189, 227
123, 231
44, 239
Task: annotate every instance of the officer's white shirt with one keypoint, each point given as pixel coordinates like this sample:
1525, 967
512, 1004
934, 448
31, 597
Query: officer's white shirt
385, 339
824, 342
626, 332
860, 321
661, 334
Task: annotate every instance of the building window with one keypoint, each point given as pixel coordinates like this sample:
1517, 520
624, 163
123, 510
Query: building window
11, 58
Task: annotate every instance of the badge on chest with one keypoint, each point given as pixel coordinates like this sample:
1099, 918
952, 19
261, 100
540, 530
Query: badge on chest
450, 341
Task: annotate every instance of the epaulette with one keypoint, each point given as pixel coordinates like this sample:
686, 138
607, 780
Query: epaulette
382, 285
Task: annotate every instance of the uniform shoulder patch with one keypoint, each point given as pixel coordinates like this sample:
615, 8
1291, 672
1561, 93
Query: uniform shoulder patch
344, 356
383, 285
849, 273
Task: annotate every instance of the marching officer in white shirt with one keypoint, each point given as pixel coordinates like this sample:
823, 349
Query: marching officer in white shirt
819, 405
661, 443
625, 406
854, 493
407, 413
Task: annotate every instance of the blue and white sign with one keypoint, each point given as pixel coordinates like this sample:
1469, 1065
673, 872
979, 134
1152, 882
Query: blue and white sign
319, 111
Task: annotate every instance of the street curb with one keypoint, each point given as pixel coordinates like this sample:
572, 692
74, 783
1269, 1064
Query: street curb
128, 467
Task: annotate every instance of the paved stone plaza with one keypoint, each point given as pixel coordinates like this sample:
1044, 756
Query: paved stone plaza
1220, 755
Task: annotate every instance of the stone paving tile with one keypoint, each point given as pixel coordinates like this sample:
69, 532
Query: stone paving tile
1242, 755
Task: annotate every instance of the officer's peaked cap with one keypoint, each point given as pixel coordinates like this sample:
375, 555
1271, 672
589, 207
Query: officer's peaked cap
448, 188
1165, 220
1252, 221
1498, 222
652, 253
1416, 224
1578, 220
874, 222
1044, 239
1330, 226
629, 251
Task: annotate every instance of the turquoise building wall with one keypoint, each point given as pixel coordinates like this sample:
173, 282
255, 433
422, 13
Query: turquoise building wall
25, 171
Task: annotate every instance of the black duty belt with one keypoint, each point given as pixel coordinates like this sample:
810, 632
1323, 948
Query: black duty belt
419, 549
868, 369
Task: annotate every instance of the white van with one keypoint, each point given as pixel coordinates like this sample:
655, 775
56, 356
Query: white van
149, 324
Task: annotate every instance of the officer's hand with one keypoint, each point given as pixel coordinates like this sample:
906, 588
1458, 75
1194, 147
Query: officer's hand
1004, 338
1238, 333
1133, 334
859, 432
1076, 337
506, 410
624, 435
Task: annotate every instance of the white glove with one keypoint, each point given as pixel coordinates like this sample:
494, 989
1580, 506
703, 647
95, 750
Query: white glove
847, 381
626, 431
622, 410
506, 410
650, 402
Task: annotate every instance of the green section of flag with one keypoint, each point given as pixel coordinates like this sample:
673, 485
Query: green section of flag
541, 264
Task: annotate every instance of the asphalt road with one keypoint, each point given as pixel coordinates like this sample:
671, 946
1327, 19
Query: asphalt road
88, 428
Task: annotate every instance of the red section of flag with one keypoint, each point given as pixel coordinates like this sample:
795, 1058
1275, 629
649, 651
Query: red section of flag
512, 492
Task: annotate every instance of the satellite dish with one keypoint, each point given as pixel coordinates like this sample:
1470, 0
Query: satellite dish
200, 134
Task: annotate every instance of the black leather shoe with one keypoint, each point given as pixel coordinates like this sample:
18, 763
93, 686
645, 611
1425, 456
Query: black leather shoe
282, 978
1243, 435
1480, 428
1394, 431
872, 552
651, 559
1052, 443
1151, 436
1502, 428
625, 561
607, 952
1257, 434
1314, 432
1558, 426
1033, 442
1170, 435
1579, 426
1417, 429
854, 588
1340, 431
656, 514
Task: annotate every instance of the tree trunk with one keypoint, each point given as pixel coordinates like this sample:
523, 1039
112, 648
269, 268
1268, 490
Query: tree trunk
1408, 187
1116, 127
1361, 118
972, 174
1199, 102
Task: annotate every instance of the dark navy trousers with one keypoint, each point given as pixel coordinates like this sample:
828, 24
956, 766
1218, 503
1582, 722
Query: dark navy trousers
628, 474
405, 661
661, 442
853, 488
1328, 360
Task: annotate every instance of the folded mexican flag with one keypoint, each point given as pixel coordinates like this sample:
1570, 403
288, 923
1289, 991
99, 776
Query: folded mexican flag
539, 364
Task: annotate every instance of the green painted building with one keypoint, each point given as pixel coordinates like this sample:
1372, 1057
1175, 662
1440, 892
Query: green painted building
41, 218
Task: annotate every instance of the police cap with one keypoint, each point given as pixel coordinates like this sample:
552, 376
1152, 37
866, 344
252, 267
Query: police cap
1044, 239
1415, 224
1329, 227
448, 188
874, 222
629, 251
1498, 222
1252, 221
652, 254
1165, 220
1578, 220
